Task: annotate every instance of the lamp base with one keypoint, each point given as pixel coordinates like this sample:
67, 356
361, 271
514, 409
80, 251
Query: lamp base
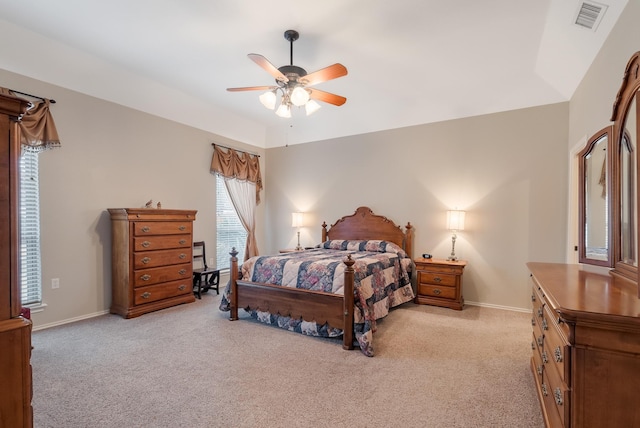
452, 258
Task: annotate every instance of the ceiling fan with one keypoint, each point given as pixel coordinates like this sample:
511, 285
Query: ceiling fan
294, 84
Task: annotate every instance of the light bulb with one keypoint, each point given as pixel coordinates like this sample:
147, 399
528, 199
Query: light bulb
299, 96
268, 99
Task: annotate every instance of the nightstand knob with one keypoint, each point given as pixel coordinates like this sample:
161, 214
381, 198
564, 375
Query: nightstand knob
437, 279
437, 291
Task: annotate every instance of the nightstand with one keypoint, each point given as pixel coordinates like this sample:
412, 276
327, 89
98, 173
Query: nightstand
439, 282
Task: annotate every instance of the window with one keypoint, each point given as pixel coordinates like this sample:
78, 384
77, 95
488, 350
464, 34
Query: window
30, 269
229, 230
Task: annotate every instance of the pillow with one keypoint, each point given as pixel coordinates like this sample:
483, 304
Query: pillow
372, 246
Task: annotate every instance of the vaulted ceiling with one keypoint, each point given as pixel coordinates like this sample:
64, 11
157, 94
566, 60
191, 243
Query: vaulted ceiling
410, 62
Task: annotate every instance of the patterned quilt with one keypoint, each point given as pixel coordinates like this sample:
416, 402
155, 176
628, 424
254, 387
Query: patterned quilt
381, 281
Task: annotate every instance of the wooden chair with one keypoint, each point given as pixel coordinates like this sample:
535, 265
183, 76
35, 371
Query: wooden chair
204, 277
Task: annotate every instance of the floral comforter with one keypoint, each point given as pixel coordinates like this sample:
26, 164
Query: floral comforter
381, 281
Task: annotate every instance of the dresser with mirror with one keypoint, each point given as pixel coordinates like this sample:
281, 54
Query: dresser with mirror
586, 317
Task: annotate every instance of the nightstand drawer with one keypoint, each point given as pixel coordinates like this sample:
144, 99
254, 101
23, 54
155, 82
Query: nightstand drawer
441, 291
436, 278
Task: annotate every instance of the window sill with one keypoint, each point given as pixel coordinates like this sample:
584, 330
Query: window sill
36, 307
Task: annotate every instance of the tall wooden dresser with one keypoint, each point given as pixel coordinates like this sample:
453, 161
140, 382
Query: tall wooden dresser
151, 259
585, 347
15, 331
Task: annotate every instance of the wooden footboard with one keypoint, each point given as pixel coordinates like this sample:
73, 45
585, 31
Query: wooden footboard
316, 306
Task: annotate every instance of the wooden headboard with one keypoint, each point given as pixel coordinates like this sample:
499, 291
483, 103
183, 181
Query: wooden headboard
364, 224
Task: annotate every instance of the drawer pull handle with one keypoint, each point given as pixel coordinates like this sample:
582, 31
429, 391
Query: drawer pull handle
437, 291
557, 394
182, 271
146, 295
558, 354
182, 256
145, 277
544, 389
533, 297
146, 244
540, 340
540, 312
437, 279
533, 345
182, 227
544, 324
533, 321
182, 287
146, 229
146, 260
539, 369
182, 241
545, 357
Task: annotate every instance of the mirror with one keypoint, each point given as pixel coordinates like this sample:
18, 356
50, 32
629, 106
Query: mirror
608, 194
595, 194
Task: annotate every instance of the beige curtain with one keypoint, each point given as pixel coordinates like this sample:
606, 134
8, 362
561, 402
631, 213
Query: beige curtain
242, 166
243, 180
241, 194
38, 129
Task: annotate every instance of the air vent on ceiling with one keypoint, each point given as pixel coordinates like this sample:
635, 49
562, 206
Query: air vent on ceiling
590, 14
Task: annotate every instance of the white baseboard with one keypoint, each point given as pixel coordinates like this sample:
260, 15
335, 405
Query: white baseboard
69, 320
489, 305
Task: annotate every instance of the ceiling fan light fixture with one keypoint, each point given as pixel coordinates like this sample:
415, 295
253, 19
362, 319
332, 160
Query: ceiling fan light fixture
284, 111
299, 96
311, 107
268, 99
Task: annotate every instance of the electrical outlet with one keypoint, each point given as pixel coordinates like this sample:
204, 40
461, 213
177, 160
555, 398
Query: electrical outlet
55, 283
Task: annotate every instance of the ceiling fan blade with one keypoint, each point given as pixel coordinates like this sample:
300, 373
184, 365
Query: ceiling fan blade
327, 97
252, 88
270, 68
332, 72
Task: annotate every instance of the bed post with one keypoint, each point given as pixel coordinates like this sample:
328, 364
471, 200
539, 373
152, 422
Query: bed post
324, 231
233, 289
408, 244
347, 336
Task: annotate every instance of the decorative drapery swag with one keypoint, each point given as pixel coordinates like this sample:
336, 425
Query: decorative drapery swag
38, 129
242, 166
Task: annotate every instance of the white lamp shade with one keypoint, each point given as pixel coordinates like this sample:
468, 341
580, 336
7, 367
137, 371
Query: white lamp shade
455, 220
311, 107
268, 99
283, 111
297, 219
299, 96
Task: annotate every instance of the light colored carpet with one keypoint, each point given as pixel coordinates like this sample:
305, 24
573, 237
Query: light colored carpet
189, 366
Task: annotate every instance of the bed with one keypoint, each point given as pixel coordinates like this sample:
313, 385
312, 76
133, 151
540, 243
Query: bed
360, 270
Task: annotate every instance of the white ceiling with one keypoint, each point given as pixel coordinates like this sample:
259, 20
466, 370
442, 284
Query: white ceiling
410, 61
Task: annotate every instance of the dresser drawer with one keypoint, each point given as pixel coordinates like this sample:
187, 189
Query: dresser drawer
557, 394
143, 228
556, 347
149, 259
437, 291
436, 278
144, 277
166, 290
146, 243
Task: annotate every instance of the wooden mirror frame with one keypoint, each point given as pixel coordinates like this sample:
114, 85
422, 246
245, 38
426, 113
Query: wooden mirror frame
621, 110
588, 176
618, 137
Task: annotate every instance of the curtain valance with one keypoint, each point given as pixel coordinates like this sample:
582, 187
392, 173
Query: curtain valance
38, 129
242, 166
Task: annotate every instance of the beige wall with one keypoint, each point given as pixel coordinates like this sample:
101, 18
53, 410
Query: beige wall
507, 170
111, 157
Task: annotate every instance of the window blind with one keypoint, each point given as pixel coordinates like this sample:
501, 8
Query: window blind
30, 268
229, 231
